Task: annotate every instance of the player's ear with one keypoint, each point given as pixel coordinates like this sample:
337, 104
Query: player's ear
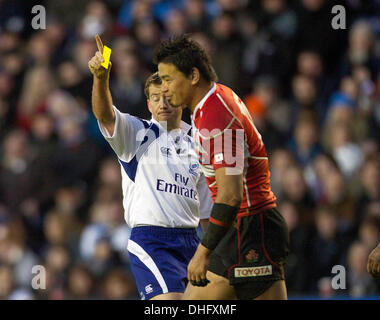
149, 106
195, 76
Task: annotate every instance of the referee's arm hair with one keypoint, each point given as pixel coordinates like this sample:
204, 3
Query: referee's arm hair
101, 94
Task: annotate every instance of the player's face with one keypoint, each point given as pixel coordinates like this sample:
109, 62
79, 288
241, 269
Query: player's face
160, 107
176, 87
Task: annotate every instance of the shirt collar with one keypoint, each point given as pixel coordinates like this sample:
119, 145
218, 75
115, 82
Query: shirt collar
184, 127
201, 103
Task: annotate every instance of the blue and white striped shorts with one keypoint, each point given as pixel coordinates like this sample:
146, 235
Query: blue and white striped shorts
159, 258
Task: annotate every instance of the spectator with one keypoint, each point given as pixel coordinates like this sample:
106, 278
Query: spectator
71, 161
57, 260
304, 96
73, 81
268, 114
8, 290
281, 161
16, 254
147, 33
313, 92
360, 51
296, 270
327, 247
340, 201
80, 283
296, 191
106, 222
196, 15
21, 175
118, 285
61, 229
360, 282
104, 258
227, 61
324, 164
347, 153
369, 231
38, 84
96, 20
304, 145
128, 89
370, 181
314, 31
175, 23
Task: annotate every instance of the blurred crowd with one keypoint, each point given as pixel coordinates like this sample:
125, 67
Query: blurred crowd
313, 92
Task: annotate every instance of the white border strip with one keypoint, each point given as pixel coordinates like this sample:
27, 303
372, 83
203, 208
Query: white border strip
146, 259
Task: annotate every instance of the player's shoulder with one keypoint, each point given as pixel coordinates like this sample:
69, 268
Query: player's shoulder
217, 111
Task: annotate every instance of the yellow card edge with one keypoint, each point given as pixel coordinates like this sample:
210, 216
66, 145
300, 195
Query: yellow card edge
106, 56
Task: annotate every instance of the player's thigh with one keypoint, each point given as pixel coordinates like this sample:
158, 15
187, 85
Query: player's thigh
218, 289
275, 292
168, 296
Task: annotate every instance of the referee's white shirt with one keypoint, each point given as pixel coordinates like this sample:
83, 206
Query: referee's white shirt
161, 178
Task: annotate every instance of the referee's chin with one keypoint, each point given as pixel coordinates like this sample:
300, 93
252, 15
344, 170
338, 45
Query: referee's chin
165, 117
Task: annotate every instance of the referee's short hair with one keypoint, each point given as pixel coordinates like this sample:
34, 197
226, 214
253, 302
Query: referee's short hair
153, 79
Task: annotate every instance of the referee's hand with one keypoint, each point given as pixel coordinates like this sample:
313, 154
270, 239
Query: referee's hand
95, 63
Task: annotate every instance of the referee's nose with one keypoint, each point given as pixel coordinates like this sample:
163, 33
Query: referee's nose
165, 104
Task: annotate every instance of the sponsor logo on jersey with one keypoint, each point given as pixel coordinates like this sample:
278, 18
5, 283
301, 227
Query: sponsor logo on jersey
192, 168
252, 256
219, 157
174, 188
253, 271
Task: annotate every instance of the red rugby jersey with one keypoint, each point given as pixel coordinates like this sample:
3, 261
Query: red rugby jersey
226, 136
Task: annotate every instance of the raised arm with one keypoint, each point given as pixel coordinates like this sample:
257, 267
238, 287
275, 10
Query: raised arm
101, 94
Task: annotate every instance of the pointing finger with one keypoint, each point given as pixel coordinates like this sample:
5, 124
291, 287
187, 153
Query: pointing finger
99, 43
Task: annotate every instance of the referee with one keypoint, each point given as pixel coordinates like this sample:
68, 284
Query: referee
165, 195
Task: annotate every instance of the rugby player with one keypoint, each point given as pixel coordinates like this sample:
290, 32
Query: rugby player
246, 244
165, 193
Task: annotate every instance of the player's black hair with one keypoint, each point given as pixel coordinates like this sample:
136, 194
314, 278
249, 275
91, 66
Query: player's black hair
185, 54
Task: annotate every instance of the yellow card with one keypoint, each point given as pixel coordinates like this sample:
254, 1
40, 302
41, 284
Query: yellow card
106, 56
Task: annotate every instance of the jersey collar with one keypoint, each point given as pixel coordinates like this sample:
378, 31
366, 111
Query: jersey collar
201, 103
184, 127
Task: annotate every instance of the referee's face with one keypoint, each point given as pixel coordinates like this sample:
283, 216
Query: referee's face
161, 110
